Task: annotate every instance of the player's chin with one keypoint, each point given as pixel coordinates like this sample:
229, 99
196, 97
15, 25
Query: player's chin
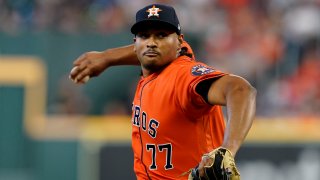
150, 62
153, 66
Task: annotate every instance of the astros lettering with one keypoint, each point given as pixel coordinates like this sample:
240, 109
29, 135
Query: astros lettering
148, 125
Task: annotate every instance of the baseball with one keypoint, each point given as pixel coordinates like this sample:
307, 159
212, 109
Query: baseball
82, 81
74, 69
85, 79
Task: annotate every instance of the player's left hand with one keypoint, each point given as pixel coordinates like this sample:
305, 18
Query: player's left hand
219, 164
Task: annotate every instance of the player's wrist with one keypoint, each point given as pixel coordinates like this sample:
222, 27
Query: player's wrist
108, 58
232, 148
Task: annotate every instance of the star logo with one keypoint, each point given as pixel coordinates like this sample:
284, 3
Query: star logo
202, 69
153, 11
199, 70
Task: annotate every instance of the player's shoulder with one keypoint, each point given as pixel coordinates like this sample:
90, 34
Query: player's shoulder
186, 65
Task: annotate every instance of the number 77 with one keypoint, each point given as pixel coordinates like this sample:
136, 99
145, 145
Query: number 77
161, 148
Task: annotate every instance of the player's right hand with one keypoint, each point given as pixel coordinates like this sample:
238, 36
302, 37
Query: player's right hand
89, 64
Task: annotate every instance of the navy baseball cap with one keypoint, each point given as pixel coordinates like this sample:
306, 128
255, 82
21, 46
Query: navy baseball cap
156, 15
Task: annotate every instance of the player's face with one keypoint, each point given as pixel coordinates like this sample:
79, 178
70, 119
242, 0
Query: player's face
156, 48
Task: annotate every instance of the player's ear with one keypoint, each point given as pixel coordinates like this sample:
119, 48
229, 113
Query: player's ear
181, 36
180, 39
134, 46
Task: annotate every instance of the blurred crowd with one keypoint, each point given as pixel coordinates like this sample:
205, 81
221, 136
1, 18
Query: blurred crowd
275, 44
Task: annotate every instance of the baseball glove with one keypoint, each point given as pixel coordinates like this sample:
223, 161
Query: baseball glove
222, 168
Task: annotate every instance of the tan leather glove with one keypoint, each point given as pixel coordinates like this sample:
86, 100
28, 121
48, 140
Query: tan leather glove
222, 167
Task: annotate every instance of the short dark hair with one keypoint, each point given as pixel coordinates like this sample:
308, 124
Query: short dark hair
184, 52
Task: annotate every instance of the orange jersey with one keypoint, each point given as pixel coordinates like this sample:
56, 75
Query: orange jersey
173, 126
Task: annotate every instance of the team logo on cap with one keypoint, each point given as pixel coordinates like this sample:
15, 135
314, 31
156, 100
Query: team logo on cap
199, 70
153, 11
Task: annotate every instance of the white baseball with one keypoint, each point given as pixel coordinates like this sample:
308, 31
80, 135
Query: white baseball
83, 80
73, 69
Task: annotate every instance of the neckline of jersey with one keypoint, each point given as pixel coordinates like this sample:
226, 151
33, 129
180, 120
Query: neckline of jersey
155, 74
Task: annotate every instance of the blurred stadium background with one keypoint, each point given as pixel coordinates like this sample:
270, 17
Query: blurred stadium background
52, 129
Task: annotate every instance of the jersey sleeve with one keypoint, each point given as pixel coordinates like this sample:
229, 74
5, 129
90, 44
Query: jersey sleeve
188, 78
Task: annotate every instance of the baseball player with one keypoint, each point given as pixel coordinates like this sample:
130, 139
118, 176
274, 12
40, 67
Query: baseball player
178, 130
